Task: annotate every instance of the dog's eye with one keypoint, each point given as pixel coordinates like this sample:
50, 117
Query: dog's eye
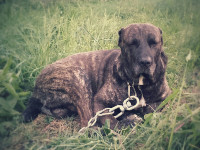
135, 42
152, 42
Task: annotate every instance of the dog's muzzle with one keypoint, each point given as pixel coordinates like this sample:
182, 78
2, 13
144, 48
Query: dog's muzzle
145, 62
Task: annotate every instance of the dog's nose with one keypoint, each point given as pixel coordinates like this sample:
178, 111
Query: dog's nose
146, 61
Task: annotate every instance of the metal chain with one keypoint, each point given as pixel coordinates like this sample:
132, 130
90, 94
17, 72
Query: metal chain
110, 111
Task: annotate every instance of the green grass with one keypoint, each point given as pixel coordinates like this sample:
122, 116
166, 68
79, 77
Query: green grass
34, 33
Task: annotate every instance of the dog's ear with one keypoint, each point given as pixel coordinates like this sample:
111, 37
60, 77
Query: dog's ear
164, 58
120, 37
161, 36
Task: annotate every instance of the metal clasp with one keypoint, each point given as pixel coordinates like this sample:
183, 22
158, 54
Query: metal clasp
127, 104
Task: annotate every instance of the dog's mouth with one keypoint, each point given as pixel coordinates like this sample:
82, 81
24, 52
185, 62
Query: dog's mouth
143, 79
139, 76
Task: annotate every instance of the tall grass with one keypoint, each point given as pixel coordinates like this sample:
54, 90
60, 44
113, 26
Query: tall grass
35, 33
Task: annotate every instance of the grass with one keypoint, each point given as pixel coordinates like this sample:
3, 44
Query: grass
35, 33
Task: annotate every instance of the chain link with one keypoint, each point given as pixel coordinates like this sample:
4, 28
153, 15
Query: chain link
117, 107
93, 120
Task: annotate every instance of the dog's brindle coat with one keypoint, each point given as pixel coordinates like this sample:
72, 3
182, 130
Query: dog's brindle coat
88, 82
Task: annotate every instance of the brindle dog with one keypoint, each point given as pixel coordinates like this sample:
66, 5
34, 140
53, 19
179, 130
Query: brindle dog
88, 82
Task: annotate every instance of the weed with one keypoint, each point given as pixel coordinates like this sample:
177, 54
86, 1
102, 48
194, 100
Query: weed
12, 97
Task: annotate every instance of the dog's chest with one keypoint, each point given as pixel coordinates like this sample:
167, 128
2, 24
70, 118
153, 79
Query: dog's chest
112, 94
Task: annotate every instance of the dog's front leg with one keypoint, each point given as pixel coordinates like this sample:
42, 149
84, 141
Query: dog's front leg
84, 111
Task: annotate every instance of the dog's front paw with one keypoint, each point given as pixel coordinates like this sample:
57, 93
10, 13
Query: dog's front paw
130, 121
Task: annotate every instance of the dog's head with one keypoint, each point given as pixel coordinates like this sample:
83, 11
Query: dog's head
142, 54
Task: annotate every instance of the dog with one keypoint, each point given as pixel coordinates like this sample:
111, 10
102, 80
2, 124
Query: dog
86, 83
